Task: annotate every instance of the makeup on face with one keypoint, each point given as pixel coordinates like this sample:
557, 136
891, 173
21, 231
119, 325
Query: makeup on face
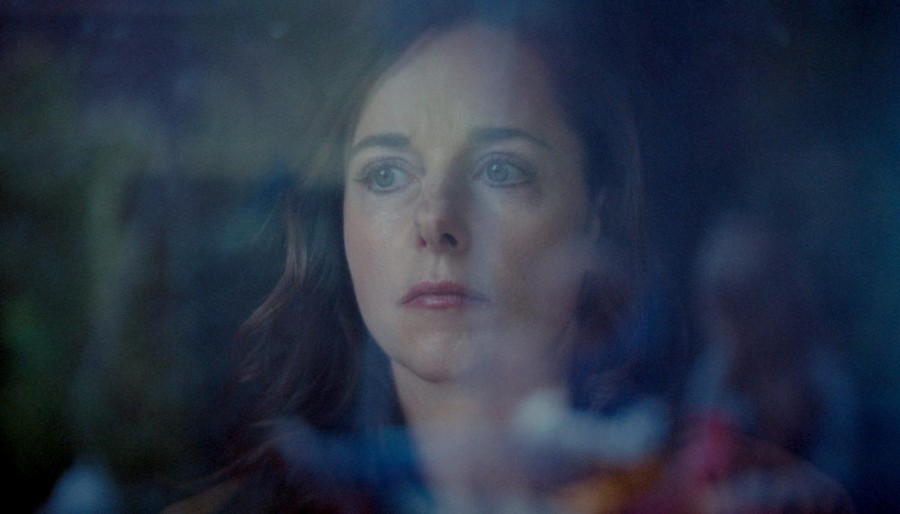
465, 206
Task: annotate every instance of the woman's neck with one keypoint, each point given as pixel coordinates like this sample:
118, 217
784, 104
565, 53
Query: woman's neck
464, 429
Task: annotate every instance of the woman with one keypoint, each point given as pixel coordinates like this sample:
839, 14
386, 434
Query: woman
469, 231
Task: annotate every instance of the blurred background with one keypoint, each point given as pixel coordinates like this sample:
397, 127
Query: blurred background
144, 144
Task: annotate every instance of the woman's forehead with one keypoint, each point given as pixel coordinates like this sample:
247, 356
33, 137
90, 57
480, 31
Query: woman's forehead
478, 74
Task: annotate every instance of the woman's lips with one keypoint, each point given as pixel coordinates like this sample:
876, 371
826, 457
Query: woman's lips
440, 295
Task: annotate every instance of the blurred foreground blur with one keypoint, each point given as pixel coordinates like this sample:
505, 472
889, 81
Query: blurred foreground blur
143, 146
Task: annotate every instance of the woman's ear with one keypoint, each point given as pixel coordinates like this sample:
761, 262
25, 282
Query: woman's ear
594, 222
593, 232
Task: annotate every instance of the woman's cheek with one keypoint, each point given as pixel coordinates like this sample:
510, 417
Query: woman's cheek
362, 247
541, 270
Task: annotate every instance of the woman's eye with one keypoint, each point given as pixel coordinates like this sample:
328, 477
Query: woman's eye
504, 173
385, 177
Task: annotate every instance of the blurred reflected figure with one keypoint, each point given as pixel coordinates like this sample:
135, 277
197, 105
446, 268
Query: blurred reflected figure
769, 368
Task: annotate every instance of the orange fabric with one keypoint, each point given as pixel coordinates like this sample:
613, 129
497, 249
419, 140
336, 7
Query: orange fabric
714, 469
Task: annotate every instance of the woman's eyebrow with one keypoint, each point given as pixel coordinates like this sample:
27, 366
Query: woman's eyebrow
386, 140
489, 135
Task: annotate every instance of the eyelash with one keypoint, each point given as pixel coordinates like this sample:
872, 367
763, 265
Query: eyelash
484, 166
368, 178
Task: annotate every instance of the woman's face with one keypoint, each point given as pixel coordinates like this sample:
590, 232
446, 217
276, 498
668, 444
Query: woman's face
467, 222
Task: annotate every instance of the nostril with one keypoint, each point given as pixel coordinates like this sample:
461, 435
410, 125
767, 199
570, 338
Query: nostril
448, 239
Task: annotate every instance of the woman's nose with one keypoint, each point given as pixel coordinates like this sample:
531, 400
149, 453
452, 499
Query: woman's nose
440, 220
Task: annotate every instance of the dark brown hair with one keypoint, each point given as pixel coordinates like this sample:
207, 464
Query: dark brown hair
301, 350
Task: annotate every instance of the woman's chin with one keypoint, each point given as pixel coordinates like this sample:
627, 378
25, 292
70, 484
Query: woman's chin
435, 366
